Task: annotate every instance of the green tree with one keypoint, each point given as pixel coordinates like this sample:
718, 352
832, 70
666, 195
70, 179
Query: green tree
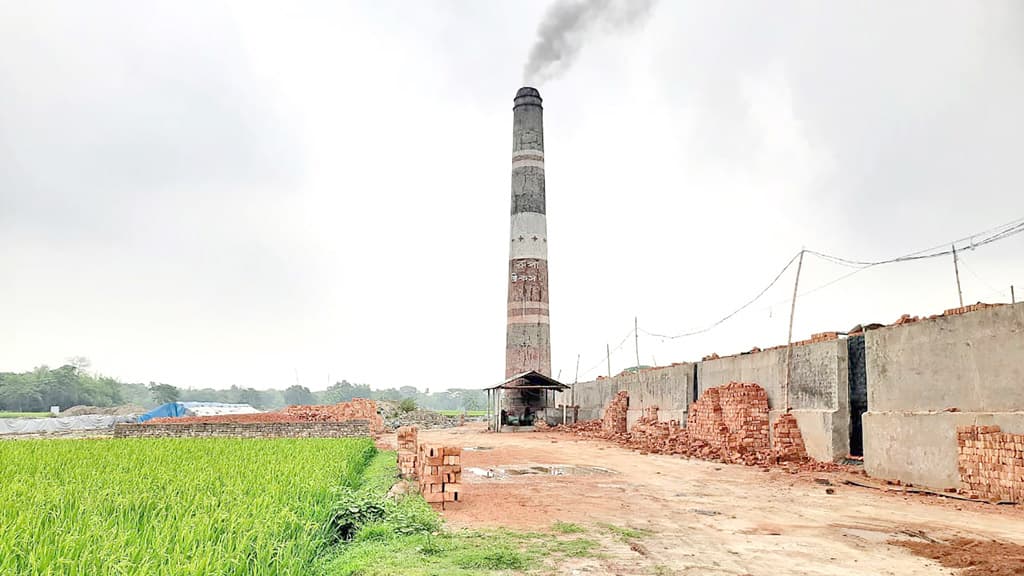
296, 395
407, 405
164, 393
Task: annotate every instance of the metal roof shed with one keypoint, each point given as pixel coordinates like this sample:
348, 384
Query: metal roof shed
538, 388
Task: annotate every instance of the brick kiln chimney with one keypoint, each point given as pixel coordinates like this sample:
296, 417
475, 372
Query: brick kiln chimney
528, 336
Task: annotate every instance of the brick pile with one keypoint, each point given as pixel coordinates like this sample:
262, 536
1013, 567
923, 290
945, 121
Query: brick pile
614, 421
991, 463
966, 309
407, 451
357, 409
651, 436
731, 419
787, 439
440, 472
727, 424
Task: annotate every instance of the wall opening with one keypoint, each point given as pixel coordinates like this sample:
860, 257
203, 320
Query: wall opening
858, 392
695, 389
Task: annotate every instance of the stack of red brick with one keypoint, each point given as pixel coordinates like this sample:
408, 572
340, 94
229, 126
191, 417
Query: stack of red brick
991, 463
971, 308
745, 413
407, 451
788, 441
731, 420
440, 474
728, 424
614, 421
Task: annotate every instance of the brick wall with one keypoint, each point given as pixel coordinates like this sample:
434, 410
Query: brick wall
350, 428
732, 418
991, 463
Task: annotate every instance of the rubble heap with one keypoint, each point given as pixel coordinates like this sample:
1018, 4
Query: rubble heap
991, 463
423, 419
440, 472
407, 448
650, 435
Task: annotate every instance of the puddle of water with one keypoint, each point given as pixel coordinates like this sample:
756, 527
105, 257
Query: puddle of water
540, 470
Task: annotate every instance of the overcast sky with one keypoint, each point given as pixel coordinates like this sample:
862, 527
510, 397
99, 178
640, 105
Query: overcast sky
210, 193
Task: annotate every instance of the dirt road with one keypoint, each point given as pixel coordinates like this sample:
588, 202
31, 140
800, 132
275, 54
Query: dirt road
701, 517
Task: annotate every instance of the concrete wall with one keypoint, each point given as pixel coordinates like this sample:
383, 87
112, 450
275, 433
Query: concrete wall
346, 429
971, 362
670, 388
819, 392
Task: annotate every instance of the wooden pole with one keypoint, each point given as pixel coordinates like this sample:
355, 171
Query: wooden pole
607, 356
792, 312
636, 344
956, 268
572, 395
1013, 297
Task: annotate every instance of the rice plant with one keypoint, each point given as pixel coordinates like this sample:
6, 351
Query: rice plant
171, 506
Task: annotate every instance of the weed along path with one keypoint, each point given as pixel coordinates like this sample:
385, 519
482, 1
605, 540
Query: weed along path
666, 515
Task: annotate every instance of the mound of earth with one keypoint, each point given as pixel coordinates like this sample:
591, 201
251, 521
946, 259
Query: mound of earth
125, 410
972, 557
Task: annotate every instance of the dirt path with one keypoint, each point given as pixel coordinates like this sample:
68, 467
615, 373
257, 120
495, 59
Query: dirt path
704, 517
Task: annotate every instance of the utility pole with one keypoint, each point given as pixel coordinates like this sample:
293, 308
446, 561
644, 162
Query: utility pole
792, 312
1013, 297
607, 356
636, 344
956, 268
575, 381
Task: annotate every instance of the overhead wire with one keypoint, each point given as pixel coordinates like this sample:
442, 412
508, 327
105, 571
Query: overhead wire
609, 353
988, 236
734, 312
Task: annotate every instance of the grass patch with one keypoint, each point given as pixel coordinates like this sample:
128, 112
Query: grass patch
405, 538
567, 527
24, 414
626, 534
466, 412
575, 548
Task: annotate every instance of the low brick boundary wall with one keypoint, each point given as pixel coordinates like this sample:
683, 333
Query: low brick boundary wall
347, 429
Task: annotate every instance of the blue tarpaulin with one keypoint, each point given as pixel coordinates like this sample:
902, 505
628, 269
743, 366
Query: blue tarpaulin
178, 409
169, 410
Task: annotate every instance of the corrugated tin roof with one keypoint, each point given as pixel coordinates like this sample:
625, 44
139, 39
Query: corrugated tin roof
532, 380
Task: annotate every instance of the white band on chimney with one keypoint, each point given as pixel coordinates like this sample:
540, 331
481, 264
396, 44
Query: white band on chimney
527, 164
529, 236
530, 152
531, 319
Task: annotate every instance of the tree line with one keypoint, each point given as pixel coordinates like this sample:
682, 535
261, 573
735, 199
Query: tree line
72, 385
